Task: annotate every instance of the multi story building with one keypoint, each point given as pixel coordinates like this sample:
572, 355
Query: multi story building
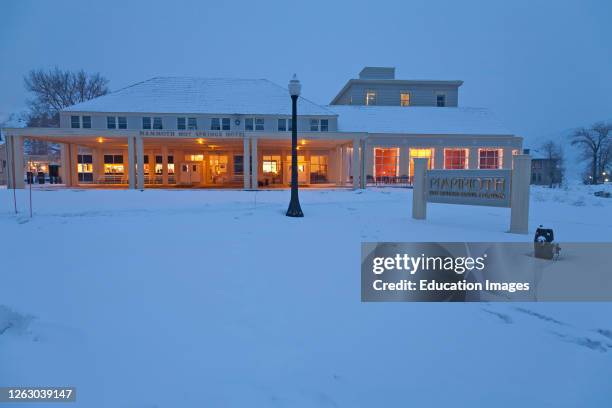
177, 131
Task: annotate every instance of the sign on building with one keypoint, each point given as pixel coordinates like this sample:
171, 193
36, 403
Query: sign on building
494, 188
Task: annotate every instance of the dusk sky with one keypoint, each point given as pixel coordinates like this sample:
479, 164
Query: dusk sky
542, 67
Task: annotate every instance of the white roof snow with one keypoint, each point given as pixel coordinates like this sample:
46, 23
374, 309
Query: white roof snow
184, 95
420, 120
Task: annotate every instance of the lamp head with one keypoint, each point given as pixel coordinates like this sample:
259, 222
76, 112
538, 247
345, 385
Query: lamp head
294, 86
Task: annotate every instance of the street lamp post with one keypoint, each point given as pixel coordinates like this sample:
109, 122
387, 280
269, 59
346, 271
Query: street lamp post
294, 209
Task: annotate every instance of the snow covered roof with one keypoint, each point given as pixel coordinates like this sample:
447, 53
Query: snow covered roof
418, 120
200, 96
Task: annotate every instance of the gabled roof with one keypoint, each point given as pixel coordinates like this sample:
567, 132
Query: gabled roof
184, 95
420, 120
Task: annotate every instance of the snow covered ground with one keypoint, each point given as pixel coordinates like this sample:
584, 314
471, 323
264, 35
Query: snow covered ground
214, 298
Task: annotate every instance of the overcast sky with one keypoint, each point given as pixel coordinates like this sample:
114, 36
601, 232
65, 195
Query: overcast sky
541, 66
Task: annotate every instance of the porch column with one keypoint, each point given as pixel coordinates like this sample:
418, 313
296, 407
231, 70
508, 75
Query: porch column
98, 164
362, 169
356, 163
74, 164
140, 163
507, 158
339, 165
473, 158
404, 161
14, 162
164, 154
255, 175
65, 164
368, 157
246, 164
438, 160
131, 173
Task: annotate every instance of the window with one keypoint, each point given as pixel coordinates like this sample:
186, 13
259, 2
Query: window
157, 123
170, 164
218, 164
192, 124
259, 124
194, 157
441, 100
238, 165
386, 162
86, 122
181, 123
314, 125
370, 98
254, 124
146, 122
159, 165
404, 99
75, 122
489, 158
324, 125
318, 169
113, 164
455, 159
122, 122
271, 164
215, 124
85, 168
111, 122
282, 125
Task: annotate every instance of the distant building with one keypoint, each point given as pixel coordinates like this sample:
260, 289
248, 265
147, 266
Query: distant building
199, 132
545, 171
3, 169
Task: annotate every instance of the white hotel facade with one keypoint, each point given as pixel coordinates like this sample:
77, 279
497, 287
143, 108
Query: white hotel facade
196, 132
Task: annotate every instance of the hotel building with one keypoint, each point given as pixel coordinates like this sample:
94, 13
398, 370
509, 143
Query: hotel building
197, 132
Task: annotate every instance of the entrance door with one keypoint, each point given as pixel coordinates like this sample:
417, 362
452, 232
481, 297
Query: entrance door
302, 175
191, 173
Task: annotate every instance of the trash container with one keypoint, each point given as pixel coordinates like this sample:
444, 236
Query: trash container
40, 177
30, 177
54, 174
543, 245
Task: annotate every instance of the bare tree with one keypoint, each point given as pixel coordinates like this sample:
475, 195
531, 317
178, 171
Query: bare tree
595, 145
56, 89
554, 153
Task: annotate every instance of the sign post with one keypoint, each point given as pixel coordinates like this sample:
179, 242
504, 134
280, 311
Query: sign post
494, 188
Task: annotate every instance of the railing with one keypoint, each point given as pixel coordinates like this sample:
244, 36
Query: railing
394, 181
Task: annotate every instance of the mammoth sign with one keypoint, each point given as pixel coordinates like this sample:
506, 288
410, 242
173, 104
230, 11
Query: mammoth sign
496, 188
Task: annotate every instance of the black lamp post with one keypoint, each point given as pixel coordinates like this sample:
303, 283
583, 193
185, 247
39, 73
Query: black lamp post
294, 209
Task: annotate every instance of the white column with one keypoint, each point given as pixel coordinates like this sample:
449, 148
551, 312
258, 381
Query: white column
73, 168
246, 164
404, 161
419, 202
362, 169
507, 158
519, 195
140, 163
64, 170
131, 164
255, 175
368, 157
98, 164
338, 166
164, 153
356, 163
438, 160
14, 162
473, 158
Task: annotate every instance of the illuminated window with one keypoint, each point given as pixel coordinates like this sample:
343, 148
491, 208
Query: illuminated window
386, 162
159, 166
157, 123
318, 169
86, 122
489, 158
192, 124
170, 164
441, 100
301, 164
181, 123
85, 168
404, 99
455, 159
218, 164
420, 153
370, 98
75, 122
113, 164
146, 122
271, 164
194, 157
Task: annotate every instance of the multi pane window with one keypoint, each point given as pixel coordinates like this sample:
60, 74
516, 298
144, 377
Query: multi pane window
238, 165
225, 124
314, 125
85, 168
386, 162
370, 98
146, 122
324, 125
455, 159
424, 153
157, 123
122, 122
113, 164
111, 122
441, 100
254, 124
318, 169
75, 122
285, 125
181, 123
271, 164
192, 124
220, 124
404, 99
86, 122
489, 158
